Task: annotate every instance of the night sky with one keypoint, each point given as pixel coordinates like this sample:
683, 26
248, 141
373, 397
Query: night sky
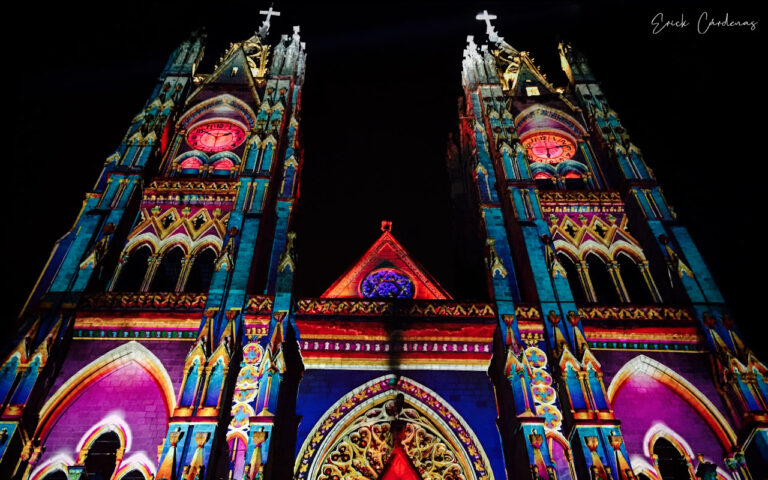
378, 103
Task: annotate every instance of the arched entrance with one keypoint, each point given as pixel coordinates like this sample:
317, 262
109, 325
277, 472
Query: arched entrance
355, 435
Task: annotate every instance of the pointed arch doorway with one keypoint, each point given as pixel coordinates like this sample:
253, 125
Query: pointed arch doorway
354, 437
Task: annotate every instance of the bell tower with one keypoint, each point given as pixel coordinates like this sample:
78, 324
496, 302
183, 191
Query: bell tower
177, 275
581, 249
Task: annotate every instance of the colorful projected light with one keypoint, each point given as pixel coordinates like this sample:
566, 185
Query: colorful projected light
549, 147
216, 135
386, 283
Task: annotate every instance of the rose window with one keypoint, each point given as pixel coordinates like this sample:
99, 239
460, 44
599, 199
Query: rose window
386, 283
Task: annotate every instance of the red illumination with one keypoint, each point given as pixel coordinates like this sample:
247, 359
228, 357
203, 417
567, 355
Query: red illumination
225, 164
542, 176
386, 252
216, 136
549, 147
191, 163
572, 175
165, 138
399, 467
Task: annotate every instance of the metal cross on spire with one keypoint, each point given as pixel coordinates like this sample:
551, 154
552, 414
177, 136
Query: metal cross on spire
487, 17
264, 29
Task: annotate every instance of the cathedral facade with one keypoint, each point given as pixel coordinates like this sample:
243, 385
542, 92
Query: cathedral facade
163, 340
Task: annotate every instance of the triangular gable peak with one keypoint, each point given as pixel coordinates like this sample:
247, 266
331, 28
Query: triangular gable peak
399, 466
235, 69
386, 270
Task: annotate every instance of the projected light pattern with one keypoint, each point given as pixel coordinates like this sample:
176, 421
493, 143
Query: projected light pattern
386, 283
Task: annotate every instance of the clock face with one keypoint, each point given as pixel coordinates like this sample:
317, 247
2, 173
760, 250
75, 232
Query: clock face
549, 147
216, 136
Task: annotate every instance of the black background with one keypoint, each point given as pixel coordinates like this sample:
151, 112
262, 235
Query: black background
379, 100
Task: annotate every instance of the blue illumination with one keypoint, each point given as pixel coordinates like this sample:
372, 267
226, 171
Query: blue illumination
387, 283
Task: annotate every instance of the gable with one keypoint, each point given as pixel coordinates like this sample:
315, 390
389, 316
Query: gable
386, 270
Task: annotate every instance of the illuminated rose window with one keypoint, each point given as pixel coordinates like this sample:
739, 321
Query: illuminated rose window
386, 283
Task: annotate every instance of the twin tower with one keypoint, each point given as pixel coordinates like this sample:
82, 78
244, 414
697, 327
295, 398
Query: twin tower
163, 340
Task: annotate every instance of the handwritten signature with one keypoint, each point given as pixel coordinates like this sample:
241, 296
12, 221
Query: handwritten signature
704, 23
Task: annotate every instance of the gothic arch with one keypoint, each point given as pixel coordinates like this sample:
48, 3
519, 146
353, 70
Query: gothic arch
568, 250
641, 466
224, 156
594, 248
659, 430
136, 462
682, 387
560, 455
623, 247
112, 424
662, 431
193, 371
139, 241
177, 240
59, 463
97, 369
193, 154
159, 247
210, 105
542, 171
209, 243
565, 122
343, 421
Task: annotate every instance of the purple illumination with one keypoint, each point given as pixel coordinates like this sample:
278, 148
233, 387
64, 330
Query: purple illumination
644, 403
387, 283
128, 392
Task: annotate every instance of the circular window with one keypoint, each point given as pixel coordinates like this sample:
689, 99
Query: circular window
549, 147
386, 283
216, 135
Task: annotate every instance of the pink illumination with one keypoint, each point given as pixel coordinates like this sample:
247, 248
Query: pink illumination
225, 164
549, 147
664, 411
137, 461
191, 163
57, 462
113, 422
138, 412
216, 136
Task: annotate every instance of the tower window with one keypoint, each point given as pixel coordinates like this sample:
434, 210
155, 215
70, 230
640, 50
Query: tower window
577, 289
223, 167
102, 457
602, 283
167, 274
672, 463
132, 274
202, 271
532, 91
133, 475
190, 166
57, 475
633, 280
